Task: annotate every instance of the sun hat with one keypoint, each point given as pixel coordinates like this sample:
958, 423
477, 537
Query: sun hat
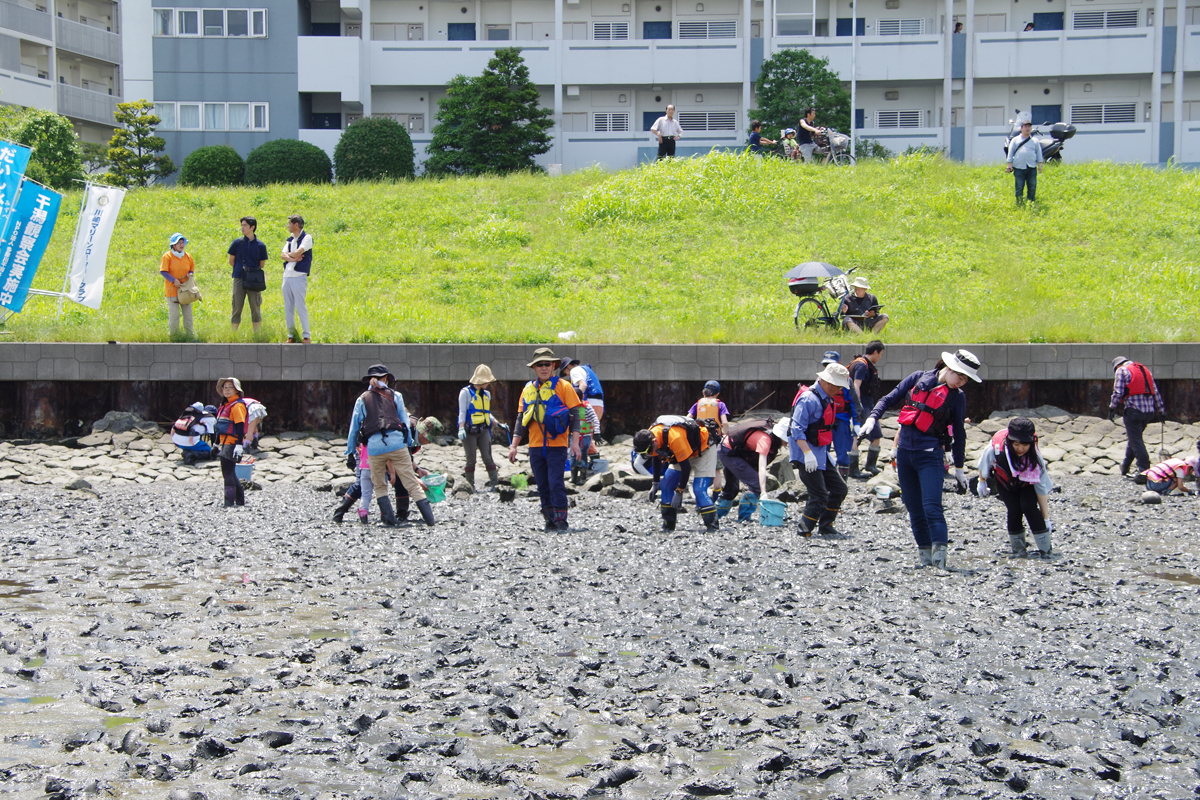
1020, 429
713, 386
1118, 361
835, 374
543, 354
175, 237
831, 357
378, 371
564, 363
781, 429
964, 362
237, 385
483, 375
861, 283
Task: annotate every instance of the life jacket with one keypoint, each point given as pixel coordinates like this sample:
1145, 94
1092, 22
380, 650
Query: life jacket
821, 432
304, 265
546, 408
839, 400
479, 410
708, 408
1166, 470
1140, 379
594, 390
677, 441
868, 383
1001, 467
739, 435
189, 417
585, 419
381, 415
928, 410
224, 429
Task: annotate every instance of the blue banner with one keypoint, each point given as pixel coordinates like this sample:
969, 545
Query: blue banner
24, 241
14, 158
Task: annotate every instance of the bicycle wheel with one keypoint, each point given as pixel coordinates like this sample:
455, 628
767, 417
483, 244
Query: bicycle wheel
844, 160
810, 314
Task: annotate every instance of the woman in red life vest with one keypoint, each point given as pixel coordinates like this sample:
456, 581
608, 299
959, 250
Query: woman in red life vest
933, 400
230, 428
1012, 465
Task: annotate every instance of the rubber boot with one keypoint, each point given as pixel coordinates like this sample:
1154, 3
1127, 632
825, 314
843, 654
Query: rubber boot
709, 515
872, 467
493, 478
188, 458
362, 516
1125, 465
807, 525
342, 508
1019, 545
938, 556
747, 507
854, 471
1043, 543
386, 514
426, 512
844, 470
924, 557
469, 477
403, 501
723, 507
670, 515
826, 524
548, 516
560, 522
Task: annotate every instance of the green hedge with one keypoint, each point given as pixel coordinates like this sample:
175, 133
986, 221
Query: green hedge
216, 165
374, 149
288, 161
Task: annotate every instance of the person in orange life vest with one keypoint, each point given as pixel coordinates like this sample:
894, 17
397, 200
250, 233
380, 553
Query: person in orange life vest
710, 406
1133, 385
1012, 465
864, 377
1170, 474
809, 439
551, 434
745, 454
686, 446
230, 428
935, 408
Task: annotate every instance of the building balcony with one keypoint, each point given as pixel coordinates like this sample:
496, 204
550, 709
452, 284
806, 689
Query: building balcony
88, 41
436, 63
880, 58
26, 20
1191, 48
654, 61
26, 89
87, 105
1064, 53
330, 64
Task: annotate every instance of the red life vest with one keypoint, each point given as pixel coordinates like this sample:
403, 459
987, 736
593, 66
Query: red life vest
1000, 468
926, 409
821, 432
1140, 379
839, 399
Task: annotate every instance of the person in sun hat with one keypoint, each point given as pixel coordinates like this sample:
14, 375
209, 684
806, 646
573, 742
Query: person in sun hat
229, 429
1013, 467
934, 410
860, 309
545, 416
475, 424
176, 266
809, 439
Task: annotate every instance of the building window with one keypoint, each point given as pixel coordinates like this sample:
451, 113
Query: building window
610, 31
900, 27
1103, 113
899, 119
215, 117
214, 22
1091, 20
610, 123
706, 30
708, 120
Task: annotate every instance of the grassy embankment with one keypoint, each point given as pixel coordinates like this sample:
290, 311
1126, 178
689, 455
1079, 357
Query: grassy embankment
690, 251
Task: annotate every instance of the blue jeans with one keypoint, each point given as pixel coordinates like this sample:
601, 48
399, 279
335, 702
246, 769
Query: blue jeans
548, 465
843, 441
1026, 177
920, 474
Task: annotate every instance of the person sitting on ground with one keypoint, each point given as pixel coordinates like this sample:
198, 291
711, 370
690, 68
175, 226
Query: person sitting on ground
1014, 468
1167, 476
756, 138
193, 432
687, 446
860, 309
791, 147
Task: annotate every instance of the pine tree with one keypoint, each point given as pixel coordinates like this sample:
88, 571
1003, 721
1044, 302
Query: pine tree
133, 151
793, 80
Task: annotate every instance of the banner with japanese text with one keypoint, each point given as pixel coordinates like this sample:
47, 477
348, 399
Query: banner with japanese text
101, 206
25, 237
14, 158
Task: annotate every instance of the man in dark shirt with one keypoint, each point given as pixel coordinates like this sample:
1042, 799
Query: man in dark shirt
247, 251
864, 377
860, 309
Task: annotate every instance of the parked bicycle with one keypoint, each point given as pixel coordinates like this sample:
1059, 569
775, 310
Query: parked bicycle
813, 310
835, 146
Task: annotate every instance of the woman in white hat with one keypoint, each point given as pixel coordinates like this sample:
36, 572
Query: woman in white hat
230, 429
475, 424
860, 309
934, 411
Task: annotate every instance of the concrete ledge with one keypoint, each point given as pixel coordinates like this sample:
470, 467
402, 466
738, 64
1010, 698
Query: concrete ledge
617, 362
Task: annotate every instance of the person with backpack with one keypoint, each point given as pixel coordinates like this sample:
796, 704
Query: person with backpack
710, 406
1134, 387
380, 421
809, 439
193, 431
585, 380
1013, 467
545, 419
934, 411
685, 446
475, 424
229, 428
864, 377
745, 453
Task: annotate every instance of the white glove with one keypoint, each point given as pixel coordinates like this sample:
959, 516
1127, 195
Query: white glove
960, 475
871, 425
237, 452
810, 461
462, 434
855, 429
981, 488
1049, 526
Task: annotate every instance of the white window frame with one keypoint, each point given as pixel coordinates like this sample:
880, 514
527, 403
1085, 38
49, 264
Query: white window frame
265, 108
610, 31
610, 122
900, 27
256, 18
708, 120
900, 119
169, 15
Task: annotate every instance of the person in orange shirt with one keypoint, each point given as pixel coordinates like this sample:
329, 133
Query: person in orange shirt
176, 267
230, 428
545, 415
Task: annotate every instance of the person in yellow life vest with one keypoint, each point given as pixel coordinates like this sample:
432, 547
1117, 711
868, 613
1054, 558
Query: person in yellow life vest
711, 406
689, 447
545, 418
475, 424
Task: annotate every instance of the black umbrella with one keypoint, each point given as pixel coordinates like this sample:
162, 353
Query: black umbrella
812, 269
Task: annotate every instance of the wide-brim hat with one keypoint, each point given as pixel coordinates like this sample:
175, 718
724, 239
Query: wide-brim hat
483, 375
1020, 429
781, 429
378, 371
861, 283
1118, 361
964, 362
565, 362
543, 354
175, 237
237, 385
835, 374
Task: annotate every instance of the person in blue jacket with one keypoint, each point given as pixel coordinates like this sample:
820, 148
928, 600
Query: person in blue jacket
934, 412
809, 439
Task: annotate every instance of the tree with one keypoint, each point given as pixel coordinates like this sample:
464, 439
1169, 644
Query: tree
490, 124
287, 161
133, 151
94, 156
794, 79
215, 165
55, 147
374, 149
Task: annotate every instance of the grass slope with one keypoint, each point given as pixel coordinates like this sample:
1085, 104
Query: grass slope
686, 251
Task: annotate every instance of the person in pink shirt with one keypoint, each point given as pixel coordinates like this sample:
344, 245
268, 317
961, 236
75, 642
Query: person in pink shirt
1169, 475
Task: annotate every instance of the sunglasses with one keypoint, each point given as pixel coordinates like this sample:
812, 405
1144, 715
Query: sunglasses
545, 364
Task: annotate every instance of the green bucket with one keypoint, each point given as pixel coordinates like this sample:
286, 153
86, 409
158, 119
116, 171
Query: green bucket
435, 487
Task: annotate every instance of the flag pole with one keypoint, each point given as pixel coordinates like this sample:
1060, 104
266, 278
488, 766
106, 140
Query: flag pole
71, 254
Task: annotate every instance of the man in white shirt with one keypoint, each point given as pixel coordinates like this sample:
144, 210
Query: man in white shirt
667, 130
1025, 160
297, 263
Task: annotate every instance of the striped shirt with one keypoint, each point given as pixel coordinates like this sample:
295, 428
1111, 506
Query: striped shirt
1145, 403
1171, 468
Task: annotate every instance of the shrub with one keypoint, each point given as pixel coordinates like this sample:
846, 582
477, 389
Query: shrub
55, 147
216, 165
865, 148
288, 161
374, 149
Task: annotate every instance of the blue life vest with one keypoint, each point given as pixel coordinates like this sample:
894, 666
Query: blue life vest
594, 390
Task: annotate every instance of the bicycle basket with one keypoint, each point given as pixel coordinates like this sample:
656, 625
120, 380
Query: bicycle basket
837, 286
840, 141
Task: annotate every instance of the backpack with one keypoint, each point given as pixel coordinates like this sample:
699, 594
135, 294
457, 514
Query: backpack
594, 390
550, 412
189, 417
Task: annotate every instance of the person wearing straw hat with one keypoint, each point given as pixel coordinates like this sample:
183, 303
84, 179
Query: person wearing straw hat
860, 309
934, 411
475, 424
230, 428
545, 416
380, 421
809, 439
177, 267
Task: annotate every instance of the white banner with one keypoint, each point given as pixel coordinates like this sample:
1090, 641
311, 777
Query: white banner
101, 206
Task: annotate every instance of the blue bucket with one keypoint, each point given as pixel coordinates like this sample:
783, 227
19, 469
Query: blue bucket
771, 513
244, 472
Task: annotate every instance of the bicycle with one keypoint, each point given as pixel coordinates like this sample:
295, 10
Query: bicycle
812, 310
835, 146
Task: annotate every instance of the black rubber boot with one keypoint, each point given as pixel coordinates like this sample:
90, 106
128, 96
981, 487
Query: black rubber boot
872, 468
342, 508
670, 515
709, 515
825, 528
548, 515
807, 525
470, 478
402, 505
426, 511
1125, 465
844, 470
493, 478
854, 471
386, 514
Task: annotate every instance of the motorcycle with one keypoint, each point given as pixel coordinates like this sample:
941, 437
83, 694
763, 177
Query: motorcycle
1052, 145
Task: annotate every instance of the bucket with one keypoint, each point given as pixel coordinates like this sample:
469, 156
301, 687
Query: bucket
435, 487
599, 465
771, 513
244, 472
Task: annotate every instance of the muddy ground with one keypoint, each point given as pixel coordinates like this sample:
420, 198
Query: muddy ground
157, 645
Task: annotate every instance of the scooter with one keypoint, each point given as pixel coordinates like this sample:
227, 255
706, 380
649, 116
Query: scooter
1052, 145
